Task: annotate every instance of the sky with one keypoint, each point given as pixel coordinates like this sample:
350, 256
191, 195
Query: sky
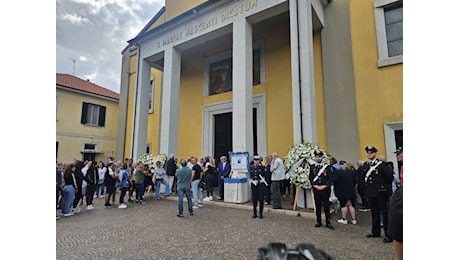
90, 35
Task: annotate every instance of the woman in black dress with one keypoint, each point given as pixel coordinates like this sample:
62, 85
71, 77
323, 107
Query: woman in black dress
209, 172
345, 182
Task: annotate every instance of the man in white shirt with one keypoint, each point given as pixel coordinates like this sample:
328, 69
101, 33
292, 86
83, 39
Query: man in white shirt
278, 175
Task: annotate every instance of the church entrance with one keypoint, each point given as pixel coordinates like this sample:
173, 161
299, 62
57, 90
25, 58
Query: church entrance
222, 135
223, 142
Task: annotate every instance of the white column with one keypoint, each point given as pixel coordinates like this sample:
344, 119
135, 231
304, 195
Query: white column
307, 81
295, 72
242, 86
141, 110
170, 101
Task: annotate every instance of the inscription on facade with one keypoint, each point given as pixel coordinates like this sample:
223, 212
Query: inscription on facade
244, 7
202, 26
210, 22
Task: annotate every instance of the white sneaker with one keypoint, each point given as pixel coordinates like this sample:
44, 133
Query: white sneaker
89, 207
210, 197
200, 205
101, 197
206, 199
343, 221
354, 222
122, 206
95, 196
68, 214
195, 207
75, 210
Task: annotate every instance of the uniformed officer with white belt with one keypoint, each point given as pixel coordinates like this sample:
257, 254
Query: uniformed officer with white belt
258, 183
378, 179
320, 179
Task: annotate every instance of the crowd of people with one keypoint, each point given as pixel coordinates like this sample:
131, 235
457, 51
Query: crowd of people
92, 179
80, 182
375, 181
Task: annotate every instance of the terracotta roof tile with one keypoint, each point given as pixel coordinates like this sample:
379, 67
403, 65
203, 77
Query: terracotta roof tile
73, 82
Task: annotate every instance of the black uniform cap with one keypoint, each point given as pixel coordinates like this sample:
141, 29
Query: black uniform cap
370, 149
318, 153
399, 150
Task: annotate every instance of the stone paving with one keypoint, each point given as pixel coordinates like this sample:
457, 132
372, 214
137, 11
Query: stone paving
219, 230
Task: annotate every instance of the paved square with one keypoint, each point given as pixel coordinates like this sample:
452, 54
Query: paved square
219, 230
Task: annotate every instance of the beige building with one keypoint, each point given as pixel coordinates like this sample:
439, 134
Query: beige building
86, 120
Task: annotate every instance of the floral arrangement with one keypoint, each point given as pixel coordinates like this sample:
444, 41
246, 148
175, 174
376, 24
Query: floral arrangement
303, 150
150, 160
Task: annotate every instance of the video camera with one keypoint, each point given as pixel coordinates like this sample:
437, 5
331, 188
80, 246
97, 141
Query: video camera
279, 251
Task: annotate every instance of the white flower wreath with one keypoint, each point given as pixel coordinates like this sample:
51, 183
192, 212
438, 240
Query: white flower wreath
151, 160
303, 150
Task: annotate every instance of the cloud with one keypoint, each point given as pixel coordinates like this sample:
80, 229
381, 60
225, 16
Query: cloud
94, 32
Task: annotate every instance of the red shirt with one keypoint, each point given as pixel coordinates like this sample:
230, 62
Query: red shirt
401, 175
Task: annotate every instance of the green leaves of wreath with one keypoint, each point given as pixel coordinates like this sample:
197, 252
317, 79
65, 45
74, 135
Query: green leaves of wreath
298, 162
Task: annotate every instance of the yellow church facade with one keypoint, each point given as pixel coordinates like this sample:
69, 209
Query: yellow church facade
209, 77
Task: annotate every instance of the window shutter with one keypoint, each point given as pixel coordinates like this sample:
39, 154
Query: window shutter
101, 116
84, 113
